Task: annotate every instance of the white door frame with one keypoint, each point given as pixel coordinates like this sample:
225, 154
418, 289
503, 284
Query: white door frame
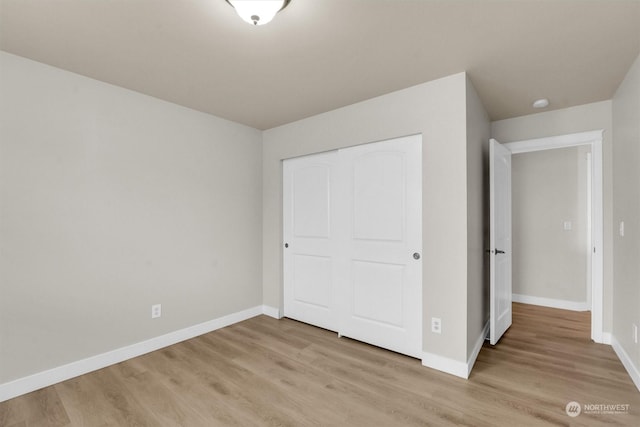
594, 140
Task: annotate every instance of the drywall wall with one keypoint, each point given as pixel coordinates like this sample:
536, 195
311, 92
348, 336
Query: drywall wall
550, 258
626, 179
572, 120
478, 130
111, 201
437, 110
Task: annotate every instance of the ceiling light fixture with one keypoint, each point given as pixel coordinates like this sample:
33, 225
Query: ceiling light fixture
541, 103
258, 12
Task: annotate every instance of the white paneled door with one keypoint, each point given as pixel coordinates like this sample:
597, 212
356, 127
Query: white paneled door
369, 282
382, 280
310, 236
500, 240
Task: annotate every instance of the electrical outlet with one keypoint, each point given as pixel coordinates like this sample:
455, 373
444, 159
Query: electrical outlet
156, 311
634, 331
436, 325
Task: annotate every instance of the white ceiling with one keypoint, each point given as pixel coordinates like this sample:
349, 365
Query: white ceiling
318, 55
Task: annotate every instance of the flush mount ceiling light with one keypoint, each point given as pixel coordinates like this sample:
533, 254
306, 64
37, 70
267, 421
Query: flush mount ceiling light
258, 12
541, 103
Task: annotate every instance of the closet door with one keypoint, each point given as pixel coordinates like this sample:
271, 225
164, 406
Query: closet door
310, 239
353, 234
380, 280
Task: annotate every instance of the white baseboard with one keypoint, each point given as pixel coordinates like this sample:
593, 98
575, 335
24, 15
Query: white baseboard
445, 364
455, 367
476, 349
550, 302
632, 369
62, 373
462, 370
271, 312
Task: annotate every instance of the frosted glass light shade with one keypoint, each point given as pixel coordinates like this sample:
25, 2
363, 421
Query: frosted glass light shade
258, 12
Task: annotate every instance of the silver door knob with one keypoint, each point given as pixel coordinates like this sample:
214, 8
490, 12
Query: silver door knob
416, 255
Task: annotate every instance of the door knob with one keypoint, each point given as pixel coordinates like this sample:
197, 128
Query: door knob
416, 255
286, 245
495, 251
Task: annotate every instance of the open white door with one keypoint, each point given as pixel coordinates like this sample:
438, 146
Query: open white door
500, 222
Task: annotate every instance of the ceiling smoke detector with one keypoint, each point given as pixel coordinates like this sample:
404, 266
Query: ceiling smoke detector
541, 103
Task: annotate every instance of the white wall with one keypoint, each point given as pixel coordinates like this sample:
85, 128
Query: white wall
549, 188
478, 131
626, 178
111, 201
572, 120
437, 110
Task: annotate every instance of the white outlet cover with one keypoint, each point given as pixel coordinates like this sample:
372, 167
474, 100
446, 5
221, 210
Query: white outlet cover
568, 225
156, 311
436, 325
621, 228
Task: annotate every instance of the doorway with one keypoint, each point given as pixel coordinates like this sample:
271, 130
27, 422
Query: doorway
592, 140
551, 243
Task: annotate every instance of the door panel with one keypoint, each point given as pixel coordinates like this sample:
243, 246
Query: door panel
378, 191
377, 292
311, 201
309, 259
382, 283
500, 240
312, 280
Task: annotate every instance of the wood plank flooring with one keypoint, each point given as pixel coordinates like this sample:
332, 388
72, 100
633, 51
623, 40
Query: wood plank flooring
267, 372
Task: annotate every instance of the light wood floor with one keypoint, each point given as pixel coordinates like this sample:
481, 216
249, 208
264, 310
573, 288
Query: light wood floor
284, 373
